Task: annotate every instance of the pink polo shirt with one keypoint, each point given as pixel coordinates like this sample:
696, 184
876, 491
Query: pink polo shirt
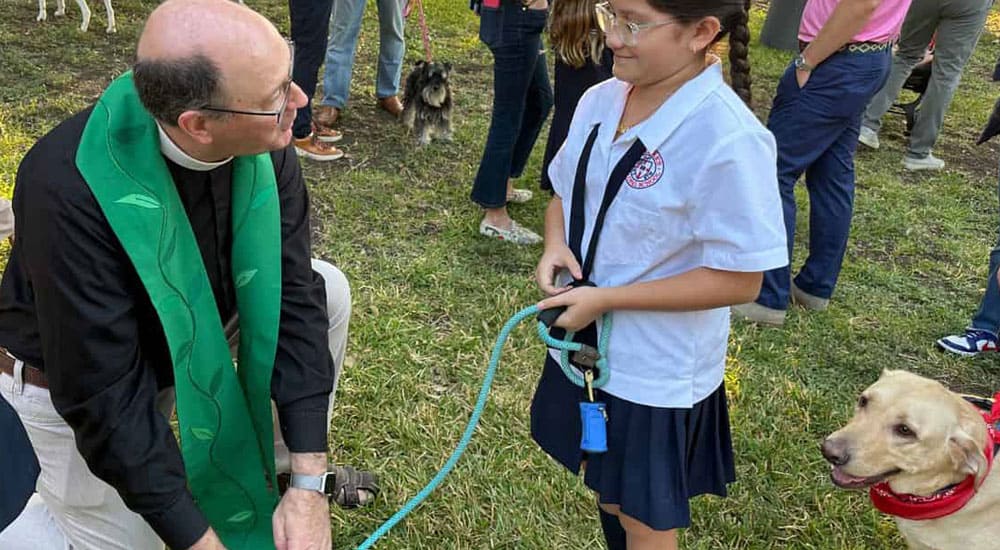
883, 26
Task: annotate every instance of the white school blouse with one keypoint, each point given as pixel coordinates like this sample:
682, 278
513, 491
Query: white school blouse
705, 194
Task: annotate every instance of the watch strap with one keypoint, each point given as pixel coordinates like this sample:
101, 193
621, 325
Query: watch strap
321, 484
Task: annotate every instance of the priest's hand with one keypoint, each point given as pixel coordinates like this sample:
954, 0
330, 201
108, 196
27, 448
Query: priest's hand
302, 521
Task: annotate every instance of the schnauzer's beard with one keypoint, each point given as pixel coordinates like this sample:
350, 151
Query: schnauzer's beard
434, 95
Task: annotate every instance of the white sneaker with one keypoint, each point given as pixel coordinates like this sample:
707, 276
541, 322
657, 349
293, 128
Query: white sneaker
930, 162
868, 137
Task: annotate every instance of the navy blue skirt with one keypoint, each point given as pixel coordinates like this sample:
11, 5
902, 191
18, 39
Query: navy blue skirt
657, 458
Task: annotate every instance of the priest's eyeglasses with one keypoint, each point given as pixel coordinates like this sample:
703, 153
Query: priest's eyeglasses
280, 113
626, 31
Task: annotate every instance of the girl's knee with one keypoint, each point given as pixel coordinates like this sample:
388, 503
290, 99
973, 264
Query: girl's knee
338, 291
639, 531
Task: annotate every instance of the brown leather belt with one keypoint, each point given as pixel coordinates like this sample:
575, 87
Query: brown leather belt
32, 375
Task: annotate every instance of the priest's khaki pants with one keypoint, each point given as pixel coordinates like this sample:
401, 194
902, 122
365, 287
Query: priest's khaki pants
74, 510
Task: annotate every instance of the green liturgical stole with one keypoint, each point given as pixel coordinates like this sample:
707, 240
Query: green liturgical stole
224, 412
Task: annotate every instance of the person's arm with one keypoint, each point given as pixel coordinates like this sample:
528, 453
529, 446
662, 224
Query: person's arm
85, 301
698, 289
847, 20
303, 371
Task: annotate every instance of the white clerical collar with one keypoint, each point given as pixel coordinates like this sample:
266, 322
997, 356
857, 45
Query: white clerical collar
175, 154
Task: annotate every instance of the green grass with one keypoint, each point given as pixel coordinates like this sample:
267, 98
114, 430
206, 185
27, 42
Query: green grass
430, 296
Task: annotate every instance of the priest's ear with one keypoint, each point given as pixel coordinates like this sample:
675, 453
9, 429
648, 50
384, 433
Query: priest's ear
196, 124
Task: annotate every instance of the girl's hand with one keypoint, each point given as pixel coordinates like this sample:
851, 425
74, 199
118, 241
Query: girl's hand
583, 306
555, 259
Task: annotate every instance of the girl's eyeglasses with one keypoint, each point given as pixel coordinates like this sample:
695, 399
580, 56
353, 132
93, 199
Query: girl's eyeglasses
280, 113
627, 32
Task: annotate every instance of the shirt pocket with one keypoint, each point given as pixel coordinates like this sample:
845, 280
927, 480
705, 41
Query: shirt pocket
639, 235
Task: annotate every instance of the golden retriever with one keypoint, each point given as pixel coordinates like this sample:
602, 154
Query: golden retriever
919, 437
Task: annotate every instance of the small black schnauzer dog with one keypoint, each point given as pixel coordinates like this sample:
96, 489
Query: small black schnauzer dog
427, 101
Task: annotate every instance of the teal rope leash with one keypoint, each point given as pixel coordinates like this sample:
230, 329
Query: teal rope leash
604, 373
565, 346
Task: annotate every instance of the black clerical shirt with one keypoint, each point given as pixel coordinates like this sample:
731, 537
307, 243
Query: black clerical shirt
72, 305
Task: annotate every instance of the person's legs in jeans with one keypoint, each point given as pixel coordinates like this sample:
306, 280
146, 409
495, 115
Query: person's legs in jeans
961, 24
918, 29
345, 25
515, 59
538, 104
391, 47
309, 29
830, 179
803, 130
987, 317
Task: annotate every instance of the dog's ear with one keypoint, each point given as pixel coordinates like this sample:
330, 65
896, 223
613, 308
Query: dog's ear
420, 64
447, 68
967, 455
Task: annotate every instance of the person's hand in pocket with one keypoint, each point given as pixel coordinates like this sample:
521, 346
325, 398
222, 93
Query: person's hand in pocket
802, 77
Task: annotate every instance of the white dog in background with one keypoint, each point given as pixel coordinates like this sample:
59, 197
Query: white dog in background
84, 9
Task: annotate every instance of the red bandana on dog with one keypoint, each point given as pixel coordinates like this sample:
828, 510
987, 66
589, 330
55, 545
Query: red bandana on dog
946, 501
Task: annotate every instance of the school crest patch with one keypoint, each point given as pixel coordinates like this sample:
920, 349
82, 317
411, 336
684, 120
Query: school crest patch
646, 172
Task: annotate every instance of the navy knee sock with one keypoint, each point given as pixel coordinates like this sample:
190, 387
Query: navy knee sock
614, 533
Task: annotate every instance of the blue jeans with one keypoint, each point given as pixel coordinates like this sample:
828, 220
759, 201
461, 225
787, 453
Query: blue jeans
522, 97
988, 316
309, 32
345, 25
816, 129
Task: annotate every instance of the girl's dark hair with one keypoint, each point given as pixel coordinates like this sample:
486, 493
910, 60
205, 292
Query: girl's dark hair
734, 17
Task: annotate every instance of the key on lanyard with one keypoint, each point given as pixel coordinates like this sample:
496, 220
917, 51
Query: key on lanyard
593, 418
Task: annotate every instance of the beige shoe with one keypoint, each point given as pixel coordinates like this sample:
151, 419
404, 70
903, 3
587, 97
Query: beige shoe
808, 301
515, 233
311, 148
519, 196
756, 313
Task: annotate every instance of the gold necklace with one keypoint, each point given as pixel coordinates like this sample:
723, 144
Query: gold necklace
622, 127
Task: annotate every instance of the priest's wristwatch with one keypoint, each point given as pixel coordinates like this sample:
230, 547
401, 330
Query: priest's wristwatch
323, 483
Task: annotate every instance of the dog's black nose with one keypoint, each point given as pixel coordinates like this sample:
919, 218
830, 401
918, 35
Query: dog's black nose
835, 451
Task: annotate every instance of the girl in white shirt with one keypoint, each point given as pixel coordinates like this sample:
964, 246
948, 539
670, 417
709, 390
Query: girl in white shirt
696, 220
